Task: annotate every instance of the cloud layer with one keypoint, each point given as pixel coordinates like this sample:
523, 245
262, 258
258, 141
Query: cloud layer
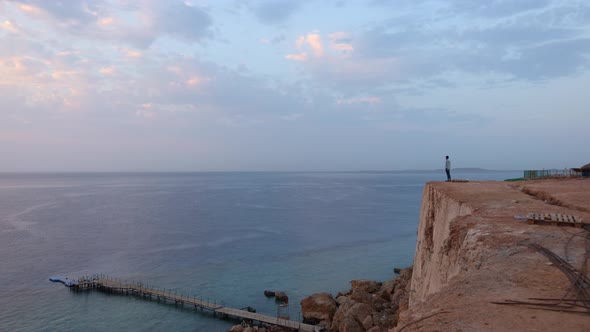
134, 85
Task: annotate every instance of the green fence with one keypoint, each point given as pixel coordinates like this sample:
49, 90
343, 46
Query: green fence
551, 173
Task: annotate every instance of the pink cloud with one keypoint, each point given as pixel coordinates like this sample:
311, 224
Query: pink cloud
66, 53
29, 9
132, 53
9, 26
297, 57
146, 111
337, 62
315, 42
194, 80
106, 21
107, 70
312, 42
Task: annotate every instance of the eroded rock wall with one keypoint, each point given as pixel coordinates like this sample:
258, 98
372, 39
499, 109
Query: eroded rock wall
438, 242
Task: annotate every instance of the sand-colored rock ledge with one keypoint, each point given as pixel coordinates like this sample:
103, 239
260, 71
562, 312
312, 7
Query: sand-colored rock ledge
472, 251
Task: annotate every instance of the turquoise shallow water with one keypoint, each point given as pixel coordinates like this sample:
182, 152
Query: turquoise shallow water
221, 236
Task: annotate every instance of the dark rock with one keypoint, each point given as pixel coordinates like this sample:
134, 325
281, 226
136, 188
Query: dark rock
384, 294
349, 325
340, 300
367, 322
360, 311
341, 313
318, 307
379, 303
281, 297
388, 286
385, 319
368, 286
361, 296
236, 328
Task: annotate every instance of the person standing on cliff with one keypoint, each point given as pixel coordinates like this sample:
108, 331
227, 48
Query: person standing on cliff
448, 168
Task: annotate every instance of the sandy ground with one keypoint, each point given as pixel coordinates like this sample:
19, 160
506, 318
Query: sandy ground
505, 267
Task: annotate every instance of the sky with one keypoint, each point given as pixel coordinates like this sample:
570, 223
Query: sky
293, 85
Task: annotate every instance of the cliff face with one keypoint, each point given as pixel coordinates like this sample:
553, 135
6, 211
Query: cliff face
472, 253
436, 248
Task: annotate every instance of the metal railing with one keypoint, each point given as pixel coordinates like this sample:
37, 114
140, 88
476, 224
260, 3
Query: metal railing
551, 173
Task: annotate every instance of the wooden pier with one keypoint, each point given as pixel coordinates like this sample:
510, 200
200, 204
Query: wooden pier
112, 285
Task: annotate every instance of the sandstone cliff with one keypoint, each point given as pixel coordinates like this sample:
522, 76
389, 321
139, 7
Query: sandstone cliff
471, 251
433, 266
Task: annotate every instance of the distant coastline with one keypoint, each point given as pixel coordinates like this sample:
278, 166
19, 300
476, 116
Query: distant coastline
140, 172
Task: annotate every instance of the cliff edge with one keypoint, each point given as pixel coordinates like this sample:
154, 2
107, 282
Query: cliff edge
472, 251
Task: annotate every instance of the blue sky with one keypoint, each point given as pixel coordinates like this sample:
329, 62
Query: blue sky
148, 85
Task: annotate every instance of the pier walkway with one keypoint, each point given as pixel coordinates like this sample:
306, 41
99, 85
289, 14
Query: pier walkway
112, 285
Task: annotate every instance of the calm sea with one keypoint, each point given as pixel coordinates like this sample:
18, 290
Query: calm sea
225, 237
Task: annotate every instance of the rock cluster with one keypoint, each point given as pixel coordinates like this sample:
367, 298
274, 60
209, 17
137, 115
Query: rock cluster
279, 296
369, 306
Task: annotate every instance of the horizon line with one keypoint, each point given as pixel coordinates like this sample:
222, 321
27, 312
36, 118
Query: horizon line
256, 171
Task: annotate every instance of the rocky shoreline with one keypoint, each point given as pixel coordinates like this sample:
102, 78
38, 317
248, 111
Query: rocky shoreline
476, 267
369, 306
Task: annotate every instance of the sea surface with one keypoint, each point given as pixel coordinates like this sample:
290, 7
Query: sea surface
223, 237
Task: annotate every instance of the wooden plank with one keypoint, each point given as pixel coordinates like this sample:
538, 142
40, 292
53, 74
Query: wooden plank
555, 219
